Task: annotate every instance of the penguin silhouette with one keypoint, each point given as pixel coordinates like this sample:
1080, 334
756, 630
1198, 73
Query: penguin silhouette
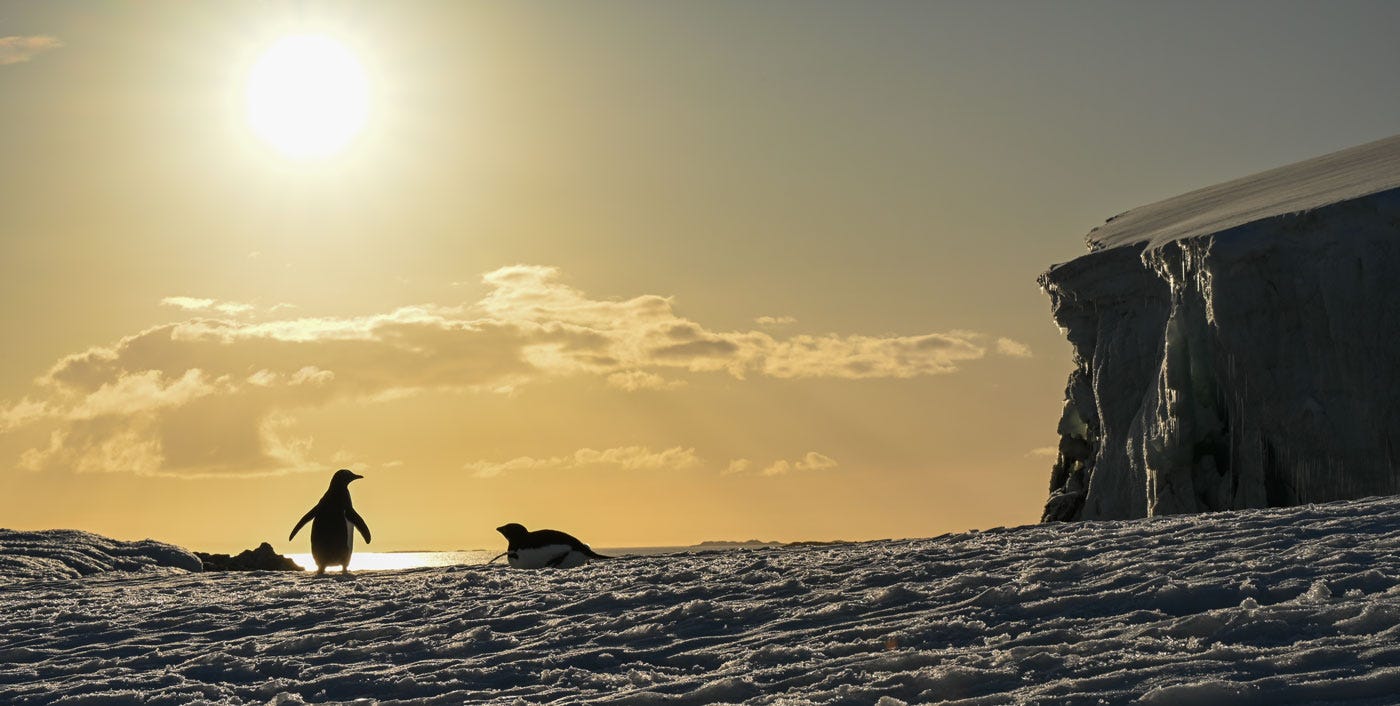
541, 548
333, 524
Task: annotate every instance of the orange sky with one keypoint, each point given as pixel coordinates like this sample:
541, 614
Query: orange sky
653, 274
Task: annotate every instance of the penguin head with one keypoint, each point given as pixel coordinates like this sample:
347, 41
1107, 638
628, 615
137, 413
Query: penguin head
343, 477
513, 531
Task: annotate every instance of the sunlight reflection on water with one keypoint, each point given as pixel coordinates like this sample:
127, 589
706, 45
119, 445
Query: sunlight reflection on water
379, 561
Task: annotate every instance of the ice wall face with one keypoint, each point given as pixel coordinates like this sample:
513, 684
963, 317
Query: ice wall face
1113, 310
1254, 366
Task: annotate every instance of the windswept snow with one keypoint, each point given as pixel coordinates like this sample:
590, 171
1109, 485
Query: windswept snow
58, 554
1332, 178
1285, 606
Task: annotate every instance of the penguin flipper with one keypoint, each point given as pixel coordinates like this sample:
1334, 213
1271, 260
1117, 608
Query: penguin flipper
556, 561
302, 522
359, 522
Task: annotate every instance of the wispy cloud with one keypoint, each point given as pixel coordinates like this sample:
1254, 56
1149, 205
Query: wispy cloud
17, 50
646, 332
738, 465
626, 457
810, 461
214, 393
774, 320
210, 305
1014, 349
633, 380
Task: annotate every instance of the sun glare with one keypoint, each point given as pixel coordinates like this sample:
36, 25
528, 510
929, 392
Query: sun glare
307, 96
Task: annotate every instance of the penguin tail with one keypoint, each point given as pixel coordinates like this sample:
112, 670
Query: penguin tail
595, 555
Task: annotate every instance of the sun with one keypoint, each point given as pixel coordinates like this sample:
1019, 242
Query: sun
307, 96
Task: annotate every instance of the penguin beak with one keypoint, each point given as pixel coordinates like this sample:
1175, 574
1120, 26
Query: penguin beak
355, 476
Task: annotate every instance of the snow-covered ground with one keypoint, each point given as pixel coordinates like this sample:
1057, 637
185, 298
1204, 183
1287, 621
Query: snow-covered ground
1290, 606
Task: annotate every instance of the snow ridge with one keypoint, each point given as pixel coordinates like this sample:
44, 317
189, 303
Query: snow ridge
1283, 606
66, 554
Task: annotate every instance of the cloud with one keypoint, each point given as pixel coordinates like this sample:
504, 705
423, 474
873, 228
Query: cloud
774, 320
17, 50
217, 393
811, 461
738, 465
857, 357
143, 392
646, 332
627, 458
22, 413
212, 305
1014, 349
633, 380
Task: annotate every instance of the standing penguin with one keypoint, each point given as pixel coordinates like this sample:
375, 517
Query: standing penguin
541, 548
334, 525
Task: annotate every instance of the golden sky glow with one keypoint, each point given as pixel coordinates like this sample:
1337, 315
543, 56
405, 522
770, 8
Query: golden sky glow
650, 273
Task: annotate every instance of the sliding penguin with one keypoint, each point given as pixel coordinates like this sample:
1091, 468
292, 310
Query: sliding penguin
541, 548
333, 524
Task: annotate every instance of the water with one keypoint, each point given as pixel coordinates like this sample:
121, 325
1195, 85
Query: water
381, 561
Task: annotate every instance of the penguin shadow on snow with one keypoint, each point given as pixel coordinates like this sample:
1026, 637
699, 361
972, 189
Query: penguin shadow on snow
333, 524
545, 548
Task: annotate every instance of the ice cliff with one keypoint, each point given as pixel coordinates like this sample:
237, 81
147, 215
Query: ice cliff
1237, 346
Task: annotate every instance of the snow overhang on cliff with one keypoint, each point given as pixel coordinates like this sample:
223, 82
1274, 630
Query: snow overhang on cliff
1304, 186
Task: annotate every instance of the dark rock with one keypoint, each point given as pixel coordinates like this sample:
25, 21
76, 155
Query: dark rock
264, 558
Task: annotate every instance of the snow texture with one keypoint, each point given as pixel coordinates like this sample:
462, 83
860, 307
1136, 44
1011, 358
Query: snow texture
1282, 606
68, 554
1235, 347
1307, 185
